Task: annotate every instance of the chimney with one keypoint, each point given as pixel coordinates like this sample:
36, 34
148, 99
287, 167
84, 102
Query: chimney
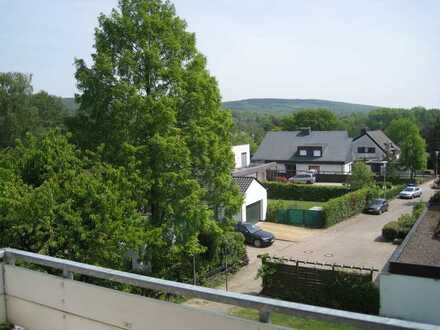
305, 130
364, 130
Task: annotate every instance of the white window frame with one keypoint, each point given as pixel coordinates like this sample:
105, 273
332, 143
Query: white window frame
317, 153
303, 152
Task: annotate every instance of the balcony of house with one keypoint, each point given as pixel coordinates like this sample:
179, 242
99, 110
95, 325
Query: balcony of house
38, 292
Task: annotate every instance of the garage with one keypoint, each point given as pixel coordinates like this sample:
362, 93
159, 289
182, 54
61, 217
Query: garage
253, 212
254, 205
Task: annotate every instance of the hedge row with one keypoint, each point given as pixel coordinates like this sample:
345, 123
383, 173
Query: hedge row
400, 228
314, 193
341, 208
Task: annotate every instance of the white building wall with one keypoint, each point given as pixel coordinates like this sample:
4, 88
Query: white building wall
256, 192
237, 151
336, 168
367, 142
410, 297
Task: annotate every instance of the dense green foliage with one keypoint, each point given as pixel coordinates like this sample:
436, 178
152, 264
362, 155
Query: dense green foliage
22, 112
280, 106
361, 176
400, 228
316, 119
290, 191
412, 145
56, 201
341, 208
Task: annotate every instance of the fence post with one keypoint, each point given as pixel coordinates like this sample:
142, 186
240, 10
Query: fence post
3, 316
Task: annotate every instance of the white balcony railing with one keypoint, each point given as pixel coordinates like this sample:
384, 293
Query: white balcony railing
39, 301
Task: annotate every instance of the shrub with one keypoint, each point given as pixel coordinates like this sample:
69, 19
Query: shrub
273, 207
290, 191
341, 208
390, 231
435, 199
403, 225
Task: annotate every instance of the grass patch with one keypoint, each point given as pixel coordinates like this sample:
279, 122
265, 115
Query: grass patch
291, 321
297, 204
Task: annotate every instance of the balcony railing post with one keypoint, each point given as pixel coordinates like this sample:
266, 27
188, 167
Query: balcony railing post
3, 317
265, 316
67, 274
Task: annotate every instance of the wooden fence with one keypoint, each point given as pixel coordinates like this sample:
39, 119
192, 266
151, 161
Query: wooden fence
329, 285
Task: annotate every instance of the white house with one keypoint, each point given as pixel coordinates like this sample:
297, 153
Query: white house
242, 155
255, 200
410, 284
327, 152
374, 147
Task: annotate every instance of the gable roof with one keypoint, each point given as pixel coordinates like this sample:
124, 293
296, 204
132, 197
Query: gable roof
243, 182
380, 138
283, 146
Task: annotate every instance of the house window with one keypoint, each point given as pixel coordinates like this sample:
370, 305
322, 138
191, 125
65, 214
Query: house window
317, 153
361, 150
371, 150
302, 152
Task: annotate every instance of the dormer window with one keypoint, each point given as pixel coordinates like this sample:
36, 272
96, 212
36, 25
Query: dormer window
316, 153
303, 152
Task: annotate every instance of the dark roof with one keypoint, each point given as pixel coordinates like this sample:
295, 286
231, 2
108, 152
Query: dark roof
381, 139
243, 182
419, 254
283, 146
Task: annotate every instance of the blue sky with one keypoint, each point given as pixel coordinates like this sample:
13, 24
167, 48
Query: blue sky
365, 51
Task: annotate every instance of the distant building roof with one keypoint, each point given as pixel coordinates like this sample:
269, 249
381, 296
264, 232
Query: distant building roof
380, 138
419, 254
283, 146
243, 182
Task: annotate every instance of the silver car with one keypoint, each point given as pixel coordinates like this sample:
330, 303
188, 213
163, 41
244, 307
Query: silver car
303, 178
411, 192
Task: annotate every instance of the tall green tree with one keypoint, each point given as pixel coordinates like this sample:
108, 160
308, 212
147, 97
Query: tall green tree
317, 119
148, 96
412, 145
361, 176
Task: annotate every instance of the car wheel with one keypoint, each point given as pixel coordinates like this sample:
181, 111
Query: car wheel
380, 211
257, 243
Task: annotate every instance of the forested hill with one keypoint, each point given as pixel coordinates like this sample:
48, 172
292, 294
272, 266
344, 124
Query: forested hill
276, 106
289, 105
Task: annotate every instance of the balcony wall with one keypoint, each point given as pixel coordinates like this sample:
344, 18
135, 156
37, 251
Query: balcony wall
38, 301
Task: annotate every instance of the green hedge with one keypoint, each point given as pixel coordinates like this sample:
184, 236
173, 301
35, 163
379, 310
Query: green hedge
400, 228
303, 192
341, 208
435, 199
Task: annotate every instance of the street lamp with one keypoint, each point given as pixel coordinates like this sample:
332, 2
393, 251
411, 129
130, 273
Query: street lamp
384, 179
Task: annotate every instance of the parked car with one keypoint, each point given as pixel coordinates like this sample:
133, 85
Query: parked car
411, 192
303, 178
255, 235
377, 206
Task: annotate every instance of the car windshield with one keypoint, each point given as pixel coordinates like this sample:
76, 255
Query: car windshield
376, 202
251, 228
409, 189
